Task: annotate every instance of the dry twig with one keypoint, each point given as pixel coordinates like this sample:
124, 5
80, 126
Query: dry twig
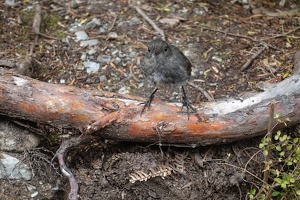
283, 35
151, 22
36, 25
268, 138
46, 36
37, 19
112, 25
243, 36
71, 11
121, 37
246, 65
202, 91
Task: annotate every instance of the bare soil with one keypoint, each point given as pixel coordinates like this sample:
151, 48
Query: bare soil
103, 167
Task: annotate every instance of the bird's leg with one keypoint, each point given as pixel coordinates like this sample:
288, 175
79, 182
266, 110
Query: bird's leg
186, 103
149, 100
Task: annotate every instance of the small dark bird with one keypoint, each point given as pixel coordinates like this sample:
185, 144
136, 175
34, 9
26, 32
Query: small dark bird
166, 64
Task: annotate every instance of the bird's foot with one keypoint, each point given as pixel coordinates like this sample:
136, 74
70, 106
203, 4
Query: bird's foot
189, 108
149, 101
187, 104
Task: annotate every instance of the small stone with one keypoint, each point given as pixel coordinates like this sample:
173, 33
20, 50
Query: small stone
118, 60
95, 22
74, 27
31, 188
83, 57
140, 85
11, 3
13, 168
34, 194
92, 51
108, 88
89, 43
124, 90
15, 138
74, 4
102, 30
112, 35
120, 24
134, 21
115, 52
104, 59
65, 40
55, 188
91, 57
121, 54
102, 78
132, 54
91, 66
81, 35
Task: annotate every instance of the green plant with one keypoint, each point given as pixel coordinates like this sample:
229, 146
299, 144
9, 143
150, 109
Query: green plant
252, 193
284, 179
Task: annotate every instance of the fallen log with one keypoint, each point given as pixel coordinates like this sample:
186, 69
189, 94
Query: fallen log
116, 116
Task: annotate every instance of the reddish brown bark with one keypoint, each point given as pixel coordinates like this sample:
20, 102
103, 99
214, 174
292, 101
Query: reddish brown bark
118, 116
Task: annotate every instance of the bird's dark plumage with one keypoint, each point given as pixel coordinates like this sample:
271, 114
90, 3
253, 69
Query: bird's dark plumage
166, 64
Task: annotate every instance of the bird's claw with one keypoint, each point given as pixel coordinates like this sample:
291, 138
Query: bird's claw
149, 101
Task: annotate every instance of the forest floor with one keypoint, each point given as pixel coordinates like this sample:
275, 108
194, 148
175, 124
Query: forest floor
218, 37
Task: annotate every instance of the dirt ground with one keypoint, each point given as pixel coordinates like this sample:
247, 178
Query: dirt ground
218, 37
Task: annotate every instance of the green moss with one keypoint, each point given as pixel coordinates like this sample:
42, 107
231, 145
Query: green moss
51, 22
48, 23
59, 34
27, 17
188, 32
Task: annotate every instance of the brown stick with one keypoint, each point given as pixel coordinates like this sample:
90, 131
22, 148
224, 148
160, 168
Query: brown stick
201, 90
37, 18
36, 25
246, 37
285, 34
269, 139
246, 65
151, 22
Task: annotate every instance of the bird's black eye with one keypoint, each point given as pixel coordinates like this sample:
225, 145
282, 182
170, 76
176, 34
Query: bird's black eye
149, 50
166, 49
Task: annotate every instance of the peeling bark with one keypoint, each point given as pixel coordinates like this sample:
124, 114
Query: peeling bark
118, 116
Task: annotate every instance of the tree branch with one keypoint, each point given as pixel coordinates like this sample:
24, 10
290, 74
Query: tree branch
119, 115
